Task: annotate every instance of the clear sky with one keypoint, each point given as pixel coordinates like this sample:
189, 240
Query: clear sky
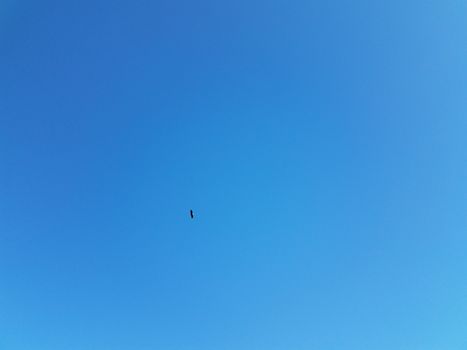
321, 144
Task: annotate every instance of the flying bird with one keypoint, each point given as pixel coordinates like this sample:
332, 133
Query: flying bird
191, 214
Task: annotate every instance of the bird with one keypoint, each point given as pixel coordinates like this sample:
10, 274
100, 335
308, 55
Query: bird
191, 214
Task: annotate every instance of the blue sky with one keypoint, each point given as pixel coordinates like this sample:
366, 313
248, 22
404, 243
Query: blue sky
321, 144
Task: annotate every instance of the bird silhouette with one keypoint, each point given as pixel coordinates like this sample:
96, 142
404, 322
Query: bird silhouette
191, 214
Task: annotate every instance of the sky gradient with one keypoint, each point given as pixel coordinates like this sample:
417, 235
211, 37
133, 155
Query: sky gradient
321, 144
